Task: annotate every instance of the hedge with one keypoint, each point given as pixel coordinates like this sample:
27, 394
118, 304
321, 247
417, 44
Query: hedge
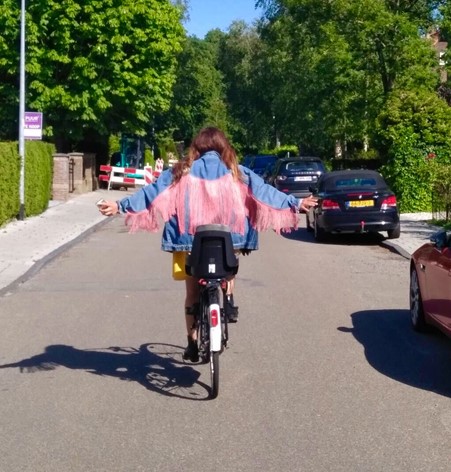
38, 178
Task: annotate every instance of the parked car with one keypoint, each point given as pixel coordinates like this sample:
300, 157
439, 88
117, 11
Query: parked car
260, 162
266, 175
294, 175
430, 284
353, 201
247, 160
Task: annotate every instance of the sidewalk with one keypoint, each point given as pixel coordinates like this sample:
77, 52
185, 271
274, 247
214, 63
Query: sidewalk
25, 246
414, 233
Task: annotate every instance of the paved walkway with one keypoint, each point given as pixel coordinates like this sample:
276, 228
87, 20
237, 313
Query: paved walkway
415, 231
26, 245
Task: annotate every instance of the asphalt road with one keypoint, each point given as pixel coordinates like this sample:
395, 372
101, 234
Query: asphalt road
323, 372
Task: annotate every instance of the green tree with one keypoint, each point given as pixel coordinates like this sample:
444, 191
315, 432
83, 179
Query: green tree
413, 127
345, 58
102, 65
250, 92
198, 94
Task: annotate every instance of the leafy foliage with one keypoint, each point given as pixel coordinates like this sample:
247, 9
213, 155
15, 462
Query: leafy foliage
441, 192
38, 178
250, 89
363, 71
338, 61
408, 174
360, 76
198, 94
9, 181
413, 127
101, 64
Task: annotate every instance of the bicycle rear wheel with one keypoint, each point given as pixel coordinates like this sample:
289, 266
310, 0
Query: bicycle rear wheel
214, 372
203, 334
216, 338
211, 334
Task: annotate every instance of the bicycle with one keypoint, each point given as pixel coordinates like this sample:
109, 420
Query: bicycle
213, 261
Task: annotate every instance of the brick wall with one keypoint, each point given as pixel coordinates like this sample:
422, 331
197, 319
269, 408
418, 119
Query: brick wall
73, 173
60, 187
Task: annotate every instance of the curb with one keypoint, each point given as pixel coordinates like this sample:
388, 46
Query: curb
393, 247
38, 265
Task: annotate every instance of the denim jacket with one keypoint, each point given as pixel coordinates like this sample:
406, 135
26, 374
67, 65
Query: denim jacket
209, 194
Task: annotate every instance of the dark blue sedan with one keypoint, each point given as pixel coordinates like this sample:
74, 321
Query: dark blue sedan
353, 201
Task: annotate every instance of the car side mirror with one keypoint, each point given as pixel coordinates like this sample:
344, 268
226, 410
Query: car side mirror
439, 239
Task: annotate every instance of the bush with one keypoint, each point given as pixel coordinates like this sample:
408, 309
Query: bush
441, 189
413, 126
282, 151
9, 181
38, 174
410, 175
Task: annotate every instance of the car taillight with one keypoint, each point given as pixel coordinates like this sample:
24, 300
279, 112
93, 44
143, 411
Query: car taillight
281, 177
329, 205
388, 202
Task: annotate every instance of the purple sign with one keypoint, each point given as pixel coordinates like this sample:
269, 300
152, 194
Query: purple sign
33, 125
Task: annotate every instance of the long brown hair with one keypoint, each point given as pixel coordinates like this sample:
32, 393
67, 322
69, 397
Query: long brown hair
208, 139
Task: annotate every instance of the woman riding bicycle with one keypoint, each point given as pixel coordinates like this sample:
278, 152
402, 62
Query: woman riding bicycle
207, 187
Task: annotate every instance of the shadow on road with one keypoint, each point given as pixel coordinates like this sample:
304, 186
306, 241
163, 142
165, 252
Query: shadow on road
300, 234
157, 367
395, 350
345, 239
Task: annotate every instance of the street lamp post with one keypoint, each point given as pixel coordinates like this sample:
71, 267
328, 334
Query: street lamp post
22, 113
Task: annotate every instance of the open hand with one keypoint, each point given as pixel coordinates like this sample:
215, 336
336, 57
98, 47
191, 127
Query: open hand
307, 203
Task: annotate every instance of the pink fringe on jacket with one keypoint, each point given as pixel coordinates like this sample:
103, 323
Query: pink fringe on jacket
223, 201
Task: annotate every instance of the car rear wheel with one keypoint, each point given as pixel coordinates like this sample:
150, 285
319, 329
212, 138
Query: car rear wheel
320, 233
307, 223
416, 304
394, 233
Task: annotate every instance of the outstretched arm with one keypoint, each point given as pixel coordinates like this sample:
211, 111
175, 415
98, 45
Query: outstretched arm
140, 200
269, 195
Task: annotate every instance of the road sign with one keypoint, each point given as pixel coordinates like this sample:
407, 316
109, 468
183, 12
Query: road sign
33, 125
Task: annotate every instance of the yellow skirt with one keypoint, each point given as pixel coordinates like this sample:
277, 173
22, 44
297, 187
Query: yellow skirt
178, 265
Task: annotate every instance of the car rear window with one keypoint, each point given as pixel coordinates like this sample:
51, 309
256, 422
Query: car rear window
303, 165
369, 182
357, 182
263, 161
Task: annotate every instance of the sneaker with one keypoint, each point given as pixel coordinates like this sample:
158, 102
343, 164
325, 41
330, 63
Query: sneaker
191, 352
231, 310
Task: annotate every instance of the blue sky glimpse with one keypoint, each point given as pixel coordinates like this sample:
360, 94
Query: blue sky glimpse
206, 15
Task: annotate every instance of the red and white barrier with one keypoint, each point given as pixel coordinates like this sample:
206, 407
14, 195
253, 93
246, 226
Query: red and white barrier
148, 175
126, 176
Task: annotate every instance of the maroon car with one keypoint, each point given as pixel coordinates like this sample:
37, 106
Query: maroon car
430, 284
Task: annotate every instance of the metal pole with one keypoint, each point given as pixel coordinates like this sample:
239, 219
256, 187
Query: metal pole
22, 113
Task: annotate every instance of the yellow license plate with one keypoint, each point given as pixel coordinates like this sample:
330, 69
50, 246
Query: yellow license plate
361, 203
